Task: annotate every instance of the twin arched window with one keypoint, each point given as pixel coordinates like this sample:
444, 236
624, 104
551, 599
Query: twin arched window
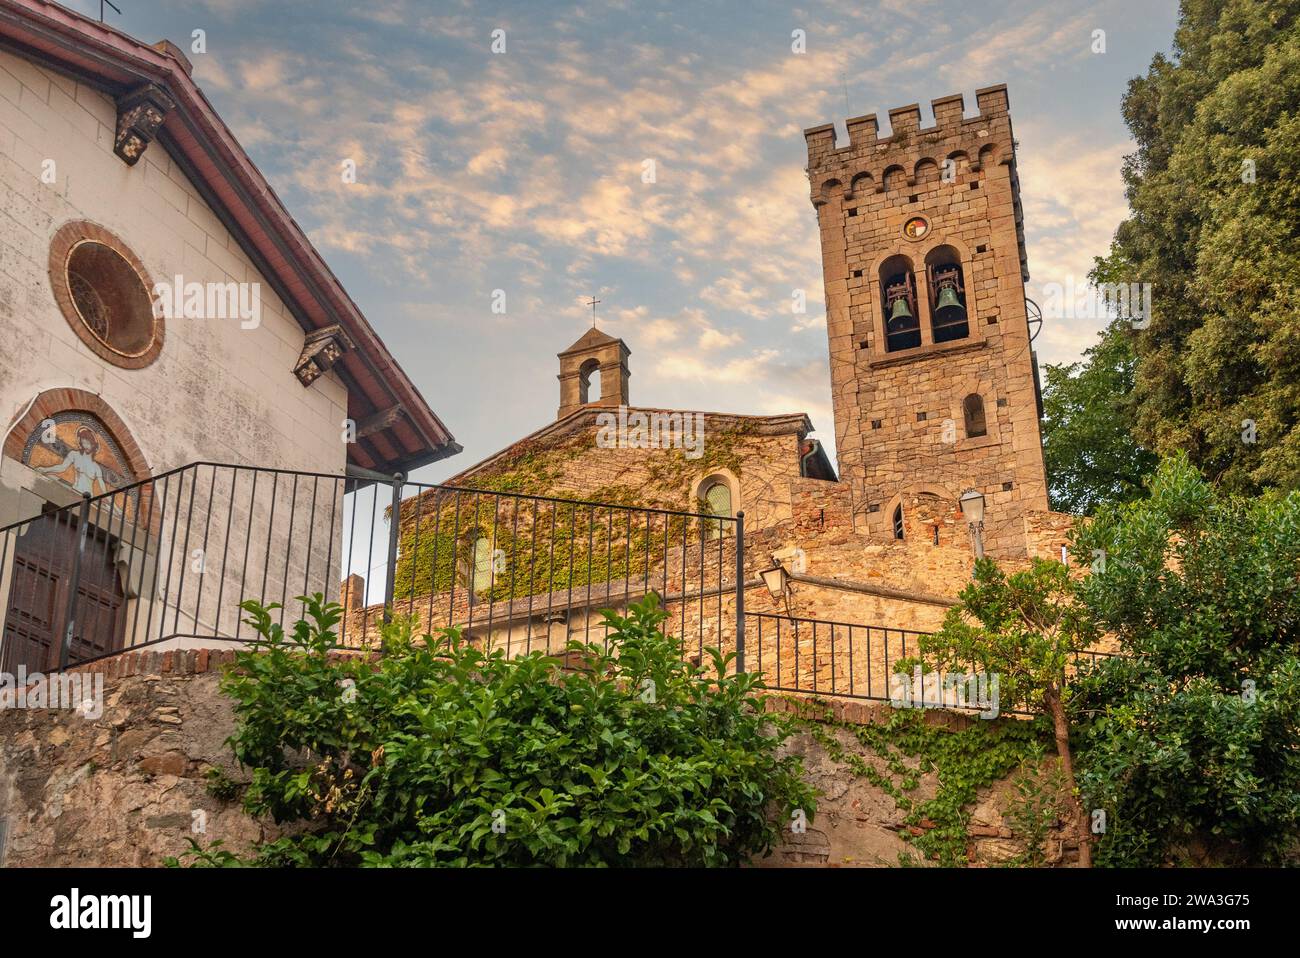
945, 290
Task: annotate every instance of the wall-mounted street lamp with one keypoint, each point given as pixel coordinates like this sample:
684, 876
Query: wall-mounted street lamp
972, 507
777, 580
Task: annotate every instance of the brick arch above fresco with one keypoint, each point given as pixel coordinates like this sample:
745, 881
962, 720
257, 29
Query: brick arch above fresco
75, 408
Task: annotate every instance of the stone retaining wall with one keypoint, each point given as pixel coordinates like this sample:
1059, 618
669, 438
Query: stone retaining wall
129, 787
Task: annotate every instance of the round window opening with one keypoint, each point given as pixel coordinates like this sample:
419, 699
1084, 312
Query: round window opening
110, 298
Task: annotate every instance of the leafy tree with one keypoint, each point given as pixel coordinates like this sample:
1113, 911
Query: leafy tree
1088, 446
1196, 733
1089, 416
1214, 192
438, 753
1023, 628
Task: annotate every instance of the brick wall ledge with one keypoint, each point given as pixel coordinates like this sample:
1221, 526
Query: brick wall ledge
849, 585
200, 661
810, 706
928, 351
173, 662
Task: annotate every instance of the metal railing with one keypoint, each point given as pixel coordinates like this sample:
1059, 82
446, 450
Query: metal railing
848, 660
528, 572
169, 560
824, 657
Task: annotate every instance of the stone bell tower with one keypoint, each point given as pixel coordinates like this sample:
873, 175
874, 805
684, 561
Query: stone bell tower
932, 374
594, 354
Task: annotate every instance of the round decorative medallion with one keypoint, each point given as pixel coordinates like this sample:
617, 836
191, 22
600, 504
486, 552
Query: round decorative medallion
916, 227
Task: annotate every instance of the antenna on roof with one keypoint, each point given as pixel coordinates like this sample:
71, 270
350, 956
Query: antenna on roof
844, 77
116, 9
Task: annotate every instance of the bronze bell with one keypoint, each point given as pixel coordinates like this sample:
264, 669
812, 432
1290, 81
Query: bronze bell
948, 310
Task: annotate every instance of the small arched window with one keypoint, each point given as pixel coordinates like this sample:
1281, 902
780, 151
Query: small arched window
715, 498
898, 523
481, 572
972, 408
586, 373
718, 498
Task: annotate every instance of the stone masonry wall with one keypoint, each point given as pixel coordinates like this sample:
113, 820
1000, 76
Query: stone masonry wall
129, 788
857, 824
896, 587
761, 454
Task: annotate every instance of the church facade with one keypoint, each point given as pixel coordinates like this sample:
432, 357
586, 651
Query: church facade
159, 307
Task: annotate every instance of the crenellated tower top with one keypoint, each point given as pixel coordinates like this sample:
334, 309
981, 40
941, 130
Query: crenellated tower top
869, 162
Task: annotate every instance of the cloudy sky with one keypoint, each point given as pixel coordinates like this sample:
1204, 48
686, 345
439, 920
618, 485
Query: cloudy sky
522, 170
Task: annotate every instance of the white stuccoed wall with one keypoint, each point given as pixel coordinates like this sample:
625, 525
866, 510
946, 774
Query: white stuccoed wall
216, 391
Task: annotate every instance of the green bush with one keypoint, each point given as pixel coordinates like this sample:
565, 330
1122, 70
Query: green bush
1192, 742
438, 753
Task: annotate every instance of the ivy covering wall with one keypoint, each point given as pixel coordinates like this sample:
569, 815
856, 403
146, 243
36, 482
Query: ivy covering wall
544, 536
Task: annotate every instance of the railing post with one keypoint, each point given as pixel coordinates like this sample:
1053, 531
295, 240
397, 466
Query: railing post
74, 582
394, 528
740, 592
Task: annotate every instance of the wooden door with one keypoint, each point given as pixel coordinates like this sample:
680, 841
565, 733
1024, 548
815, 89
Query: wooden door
37, 607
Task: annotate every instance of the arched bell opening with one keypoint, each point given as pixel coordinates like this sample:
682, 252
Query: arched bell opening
898, 297
589, 384
947, 290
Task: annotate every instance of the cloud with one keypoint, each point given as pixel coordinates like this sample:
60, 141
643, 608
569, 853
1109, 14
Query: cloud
693, 365
712, 339
523, 172
1073, 200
